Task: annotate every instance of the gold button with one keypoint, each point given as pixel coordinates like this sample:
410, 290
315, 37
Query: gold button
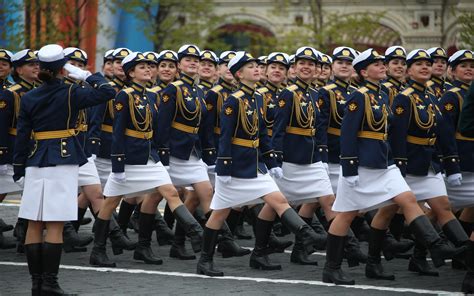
435, 124
320, 149
163, 152
64, 151
271, 155
119, 158
1, 152
225, 161
426, 97
351, 162
64, 143
95, 85
93, 142
348, 92
453, 160
210, 152
400, 163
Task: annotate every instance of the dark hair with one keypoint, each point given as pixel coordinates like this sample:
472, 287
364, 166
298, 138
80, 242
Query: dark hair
46, 75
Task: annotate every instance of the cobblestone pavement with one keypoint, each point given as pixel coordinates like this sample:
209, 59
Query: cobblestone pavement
177, 277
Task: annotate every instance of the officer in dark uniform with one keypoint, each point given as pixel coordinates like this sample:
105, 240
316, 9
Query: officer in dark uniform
5, 68
262, 64
49, 114
326, 73
207, 70
152, 58
107, 66
438, 83
291, 75
6, 146
417, 125
25, 74
395, 61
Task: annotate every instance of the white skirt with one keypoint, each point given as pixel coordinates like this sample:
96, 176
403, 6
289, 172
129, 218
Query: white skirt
141, 179
7, 185
376, 189
426, 187
104, 168
50, 193
187, 172
240, 191
334, 175
462, 196
211, 172
304, 183
88, 174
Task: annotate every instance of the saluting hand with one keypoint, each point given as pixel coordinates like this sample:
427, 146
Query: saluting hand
77, 73
3, 169
455, 179
276, 172
21, 182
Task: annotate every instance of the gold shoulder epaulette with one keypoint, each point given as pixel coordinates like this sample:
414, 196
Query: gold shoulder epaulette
177, 83
262, 90
14, 87
238, 94
217, 88
330, 86
407, 91
128, 90
387, 84
429, 83
154, 89
292, 87
454, 89
362, 90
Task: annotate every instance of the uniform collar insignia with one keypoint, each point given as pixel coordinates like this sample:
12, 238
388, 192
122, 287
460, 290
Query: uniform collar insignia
341, 83
300, 83
25, 84
226, 85
118, 81
319, 83
272, 87
394, 81
186, 78
161, 84
418, 86
437, 80
461, 84
372, 86
205, 83
247, 89
137, 87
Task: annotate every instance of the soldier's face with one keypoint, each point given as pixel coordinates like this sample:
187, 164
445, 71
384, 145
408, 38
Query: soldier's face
29, 71
342, 69
78, 64
464, 72
189, 65
439, 67
118, 71
167, 71
375, 71
141, 73
292, 72
325, 72
153, 71
262, 70
397, 68
420, 71
249, 73
305, 69
5, 69
207, 70
276, 73
224, 73
108, 68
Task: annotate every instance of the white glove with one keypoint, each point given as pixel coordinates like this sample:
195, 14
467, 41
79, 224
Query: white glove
77, 73
119, 177
21, 182
211, 168
326, 167
93, 157
276, 172
225, 179
455, 179
3, 169
352, 181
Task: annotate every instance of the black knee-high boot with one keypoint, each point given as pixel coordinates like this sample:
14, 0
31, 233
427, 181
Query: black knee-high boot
73, 242
124, 214
295, 224
361, 229
19, 232
51, 258
80, 215
99, 255
233, 219
168, 216
352, 251
133, 221
206, 261
164, 235
191, 227
332, 272
240, 231
418, 262
299, 255
178, 246
259, 258
227, 245
374, 268
397, 225
34, 257
468, 282
144, 251
118, 239
423, 231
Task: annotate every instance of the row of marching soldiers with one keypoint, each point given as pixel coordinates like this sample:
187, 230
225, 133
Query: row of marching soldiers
337, 149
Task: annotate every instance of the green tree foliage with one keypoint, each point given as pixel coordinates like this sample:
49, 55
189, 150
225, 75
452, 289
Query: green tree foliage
326, 30
466, 30
172, 23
